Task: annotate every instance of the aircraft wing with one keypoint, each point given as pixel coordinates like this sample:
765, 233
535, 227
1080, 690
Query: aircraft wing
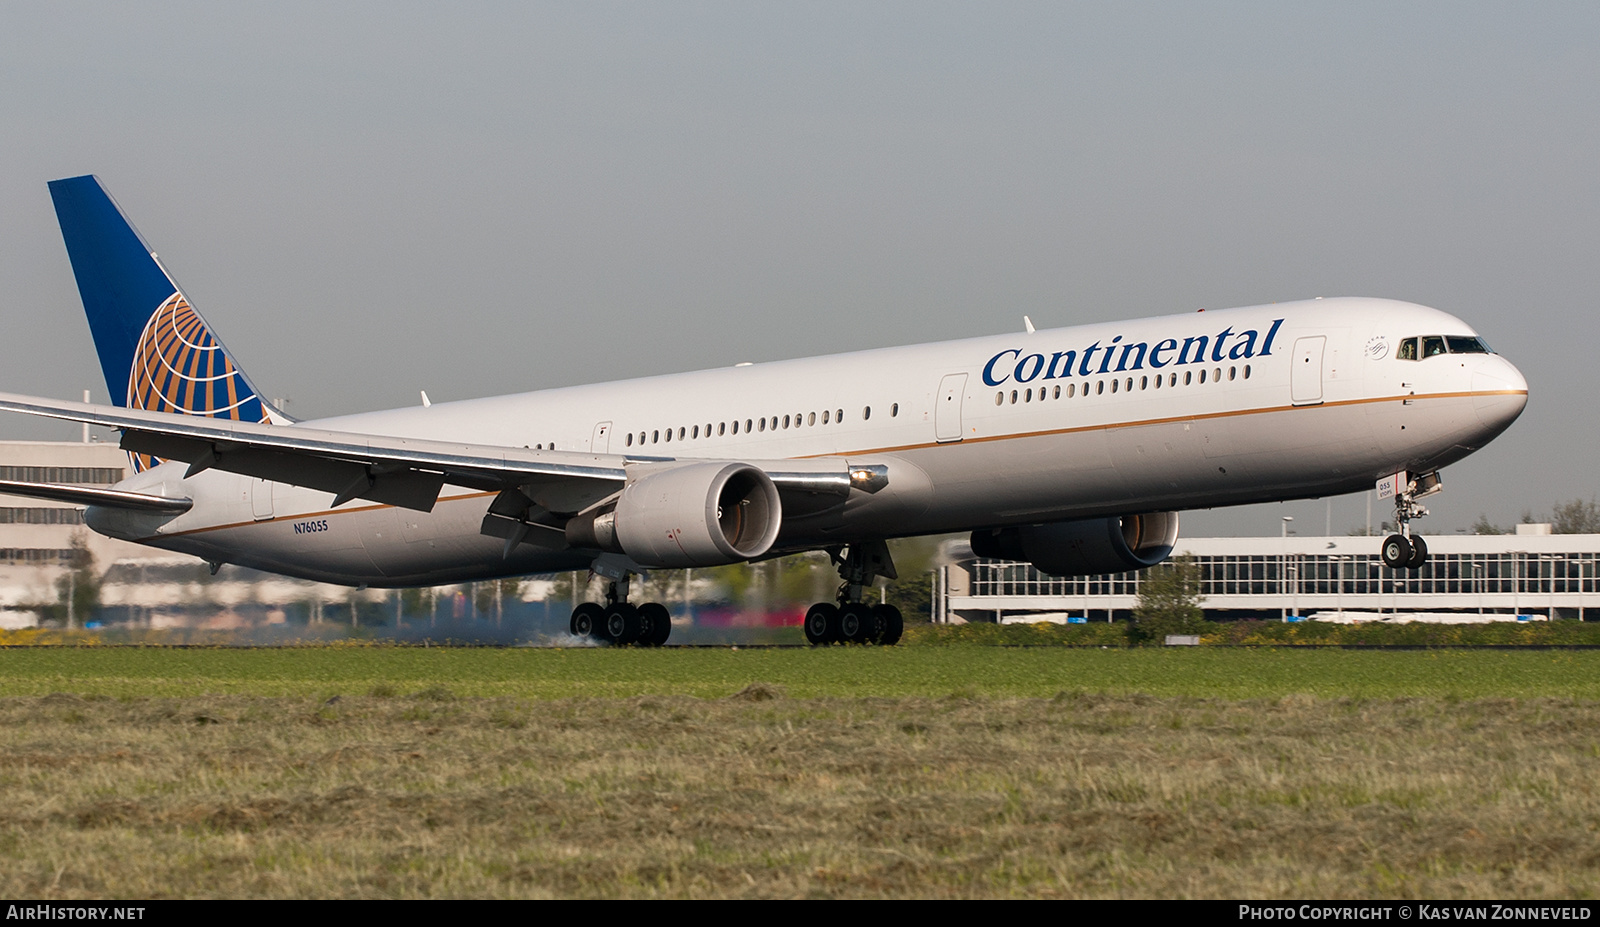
406, 472
398, 471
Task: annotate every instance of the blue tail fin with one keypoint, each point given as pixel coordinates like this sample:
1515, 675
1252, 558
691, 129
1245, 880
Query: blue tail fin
156, 351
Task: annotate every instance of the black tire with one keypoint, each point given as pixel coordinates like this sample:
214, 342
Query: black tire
1396, 552
586, 619
622, 624
655, 624
1419, 554
857, 623
890, 625
822, 623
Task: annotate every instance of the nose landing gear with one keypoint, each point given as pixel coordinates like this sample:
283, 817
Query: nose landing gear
1404, 551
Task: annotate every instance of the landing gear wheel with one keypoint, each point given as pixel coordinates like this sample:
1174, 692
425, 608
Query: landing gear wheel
822, 623
857, 623
1396, 552
890, 625
655, 624
586, 620
1419, 554
622, 623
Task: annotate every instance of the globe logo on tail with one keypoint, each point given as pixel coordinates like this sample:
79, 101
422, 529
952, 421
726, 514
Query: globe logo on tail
179, 366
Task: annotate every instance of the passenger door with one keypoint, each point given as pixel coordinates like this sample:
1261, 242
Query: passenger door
947, 411
1305, 376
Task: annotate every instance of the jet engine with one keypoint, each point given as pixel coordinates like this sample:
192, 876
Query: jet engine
1085, 547
686, 515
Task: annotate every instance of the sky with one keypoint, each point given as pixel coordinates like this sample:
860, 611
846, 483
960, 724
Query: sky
367, 200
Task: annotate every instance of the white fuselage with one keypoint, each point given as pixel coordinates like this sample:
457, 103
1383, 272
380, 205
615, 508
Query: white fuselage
1002, 430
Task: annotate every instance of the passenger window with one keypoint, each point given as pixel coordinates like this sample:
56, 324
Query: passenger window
999, 399
1057, 393
748, 424
1408, 350
1128, 386
1072, 390
655, 437
1247, 371
763, 425
894, 410
866, 411
669, 435
1432, 345
811, 419
1013, 397
1188, 377
722, 428
1174, 380
630, 439
681, 432
1233, 372
1144, 383
1159, 378
1100, 387
1202, 376
696, 432
838, 416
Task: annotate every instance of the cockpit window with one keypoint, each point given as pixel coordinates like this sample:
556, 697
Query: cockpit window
1434, 345
1466, 344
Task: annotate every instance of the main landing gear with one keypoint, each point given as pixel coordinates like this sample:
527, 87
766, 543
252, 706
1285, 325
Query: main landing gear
1405, 551
619, 622
853, 621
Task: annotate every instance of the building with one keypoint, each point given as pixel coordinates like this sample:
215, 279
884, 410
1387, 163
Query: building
36, 535
1550, 575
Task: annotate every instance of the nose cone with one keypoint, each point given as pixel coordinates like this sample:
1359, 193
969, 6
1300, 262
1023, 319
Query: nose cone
1499, 394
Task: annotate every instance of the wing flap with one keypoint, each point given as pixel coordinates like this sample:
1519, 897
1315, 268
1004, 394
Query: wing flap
346, 479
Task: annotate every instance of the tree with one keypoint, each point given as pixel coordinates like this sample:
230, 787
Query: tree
913, 595
78, 590
1169, 602
1484, 526
1576, 517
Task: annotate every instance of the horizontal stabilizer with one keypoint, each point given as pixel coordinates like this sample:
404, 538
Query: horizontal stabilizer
108, 498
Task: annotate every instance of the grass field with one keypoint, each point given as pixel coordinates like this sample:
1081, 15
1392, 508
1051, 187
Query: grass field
549, 673
921, 772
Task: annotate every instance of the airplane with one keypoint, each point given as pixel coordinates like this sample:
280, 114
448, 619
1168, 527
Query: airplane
1073, 449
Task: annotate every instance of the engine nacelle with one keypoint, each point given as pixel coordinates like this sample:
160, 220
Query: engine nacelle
687, 515
1087, 547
